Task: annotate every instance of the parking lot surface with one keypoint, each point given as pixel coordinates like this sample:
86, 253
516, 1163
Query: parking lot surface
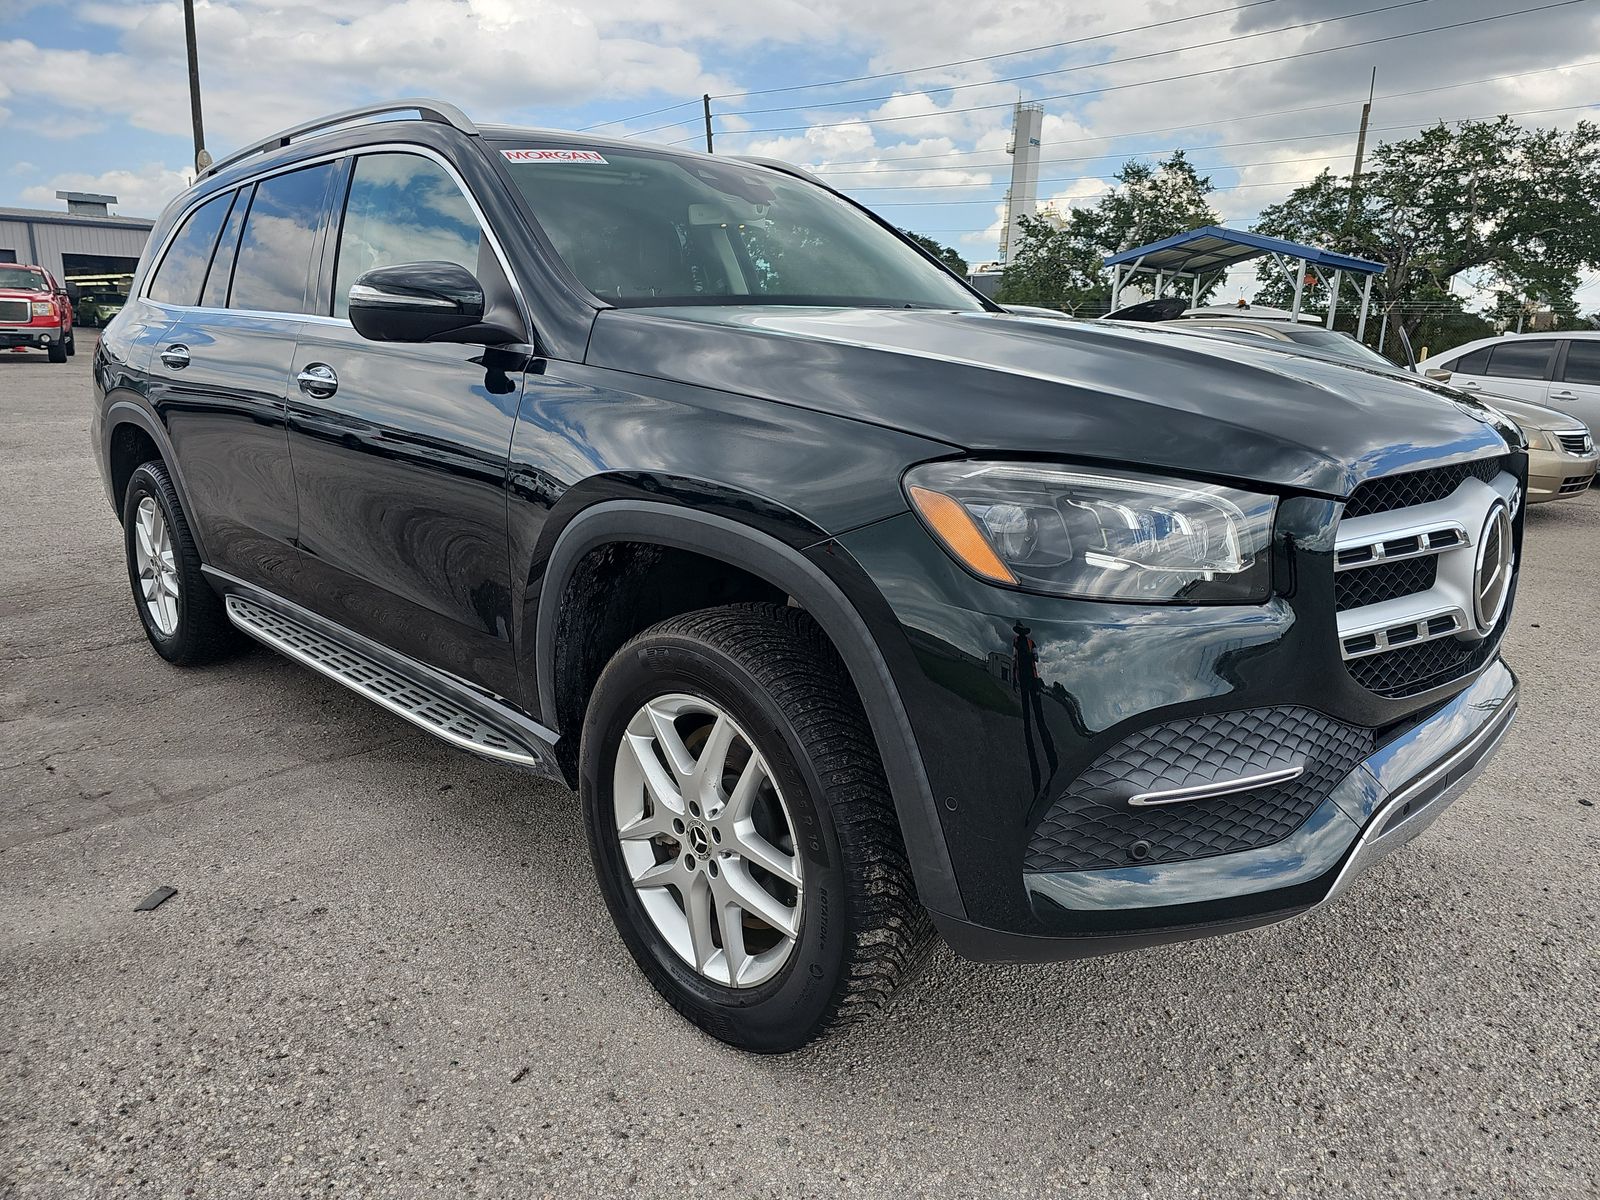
387, 970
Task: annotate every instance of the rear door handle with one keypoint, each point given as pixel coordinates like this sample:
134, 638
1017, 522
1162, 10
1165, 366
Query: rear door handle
318, 380
176, 357
1563, 395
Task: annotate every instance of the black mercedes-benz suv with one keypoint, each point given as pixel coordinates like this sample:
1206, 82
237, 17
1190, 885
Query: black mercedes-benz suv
852, 606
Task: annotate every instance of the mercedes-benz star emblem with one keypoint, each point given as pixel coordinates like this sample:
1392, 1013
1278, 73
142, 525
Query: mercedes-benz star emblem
1491, 581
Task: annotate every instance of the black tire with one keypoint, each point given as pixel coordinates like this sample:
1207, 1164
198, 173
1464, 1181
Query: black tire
57, 352
772, 669
203, 632
72, 343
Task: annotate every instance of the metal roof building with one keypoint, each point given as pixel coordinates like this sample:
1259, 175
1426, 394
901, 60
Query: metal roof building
85, 243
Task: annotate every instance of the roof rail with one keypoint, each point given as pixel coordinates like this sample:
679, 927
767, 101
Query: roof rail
428, 110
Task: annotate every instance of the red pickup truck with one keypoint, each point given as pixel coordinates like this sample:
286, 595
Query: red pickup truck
35, 312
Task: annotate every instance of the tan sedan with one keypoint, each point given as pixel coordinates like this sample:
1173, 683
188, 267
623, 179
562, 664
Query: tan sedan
1561, 452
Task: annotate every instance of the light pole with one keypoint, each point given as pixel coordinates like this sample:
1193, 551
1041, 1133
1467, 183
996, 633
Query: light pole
202, 159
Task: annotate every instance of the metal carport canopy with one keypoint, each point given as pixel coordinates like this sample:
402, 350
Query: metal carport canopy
1213, 248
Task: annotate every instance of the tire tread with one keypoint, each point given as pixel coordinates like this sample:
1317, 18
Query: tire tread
787, 653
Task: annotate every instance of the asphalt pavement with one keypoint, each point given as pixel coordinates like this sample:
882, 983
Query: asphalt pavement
387, 971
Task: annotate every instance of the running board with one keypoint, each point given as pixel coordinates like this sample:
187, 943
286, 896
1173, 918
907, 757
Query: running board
431, 707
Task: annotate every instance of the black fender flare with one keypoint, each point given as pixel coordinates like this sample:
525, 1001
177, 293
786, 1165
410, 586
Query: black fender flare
127, 412
787, 568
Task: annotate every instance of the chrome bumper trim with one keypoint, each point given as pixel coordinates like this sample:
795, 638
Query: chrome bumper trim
1224, 787
1415, 805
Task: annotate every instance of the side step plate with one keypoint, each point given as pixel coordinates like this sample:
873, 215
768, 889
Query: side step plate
433, 710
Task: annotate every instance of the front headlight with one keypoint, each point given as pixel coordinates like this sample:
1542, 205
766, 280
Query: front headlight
1102, 535
1538, 439
43, 308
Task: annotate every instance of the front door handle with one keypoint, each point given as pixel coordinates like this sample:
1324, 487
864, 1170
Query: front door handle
176, 357
318, 380
1563, 395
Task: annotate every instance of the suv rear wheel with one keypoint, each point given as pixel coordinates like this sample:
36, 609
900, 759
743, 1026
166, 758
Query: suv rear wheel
183, 618
742, 828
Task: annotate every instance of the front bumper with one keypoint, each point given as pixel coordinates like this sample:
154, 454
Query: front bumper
1384, 803
1553, 475
38, 337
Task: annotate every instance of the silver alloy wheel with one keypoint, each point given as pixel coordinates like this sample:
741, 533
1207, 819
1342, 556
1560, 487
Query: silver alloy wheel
158, 568
707, 840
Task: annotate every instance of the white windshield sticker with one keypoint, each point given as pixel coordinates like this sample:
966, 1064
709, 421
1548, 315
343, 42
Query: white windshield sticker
564, 156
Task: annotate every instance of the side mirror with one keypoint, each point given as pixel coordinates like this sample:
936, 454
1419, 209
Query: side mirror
1437, 375
422, 302
73, 294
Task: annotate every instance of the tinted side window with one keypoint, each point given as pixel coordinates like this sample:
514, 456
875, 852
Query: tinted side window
402, 208
1475, 363
215, 293
1520, 359
177, 279
1583, 362
274, 260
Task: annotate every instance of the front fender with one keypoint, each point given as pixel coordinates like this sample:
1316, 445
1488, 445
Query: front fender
799, 574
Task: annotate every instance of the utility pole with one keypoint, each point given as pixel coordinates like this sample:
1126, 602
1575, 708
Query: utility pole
1361, 150
706, 102
202, 159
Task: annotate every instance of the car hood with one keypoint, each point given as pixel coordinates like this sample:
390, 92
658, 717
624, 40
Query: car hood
1536, 416
997, 383
22, 294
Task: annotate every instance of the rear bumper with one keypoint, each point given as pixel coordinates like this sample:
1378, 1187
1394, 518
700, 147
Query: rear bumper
1388, 800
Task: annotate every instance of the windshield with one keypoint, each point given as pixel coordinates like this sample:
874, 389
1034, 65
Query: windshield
1332, 344
1318, 343
639, 228
22, 279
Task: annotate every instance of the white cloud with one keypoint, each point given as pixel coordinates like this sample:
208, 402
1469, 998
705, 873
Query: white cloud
141, 193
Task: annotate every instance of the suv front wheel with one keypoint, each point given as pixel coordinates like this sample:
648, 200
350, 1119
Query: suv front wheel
742, 828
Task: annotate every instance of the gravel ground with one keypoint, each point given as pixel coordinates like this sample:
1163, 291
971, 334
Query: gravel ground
387, 971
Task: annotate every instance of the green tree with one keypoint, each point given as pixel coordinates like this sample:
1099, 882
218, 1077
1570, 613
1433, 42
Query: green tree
1510, 208
1061, 264
943, 253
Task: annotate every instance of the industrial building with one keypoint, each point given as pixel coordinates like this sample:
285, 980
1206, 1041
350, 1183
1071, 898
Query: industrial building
84, 245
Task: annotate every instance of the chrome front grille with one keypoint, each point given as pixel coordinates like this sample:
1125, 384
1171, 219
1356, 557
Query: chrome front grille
1578, 442
1406, 575
14, 312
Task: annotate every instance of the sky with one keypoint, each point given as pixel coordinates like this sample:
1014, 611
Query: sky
913, 120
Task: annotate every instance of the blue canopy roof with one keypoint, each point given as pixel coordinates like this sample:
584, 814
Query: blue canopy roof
1213, 248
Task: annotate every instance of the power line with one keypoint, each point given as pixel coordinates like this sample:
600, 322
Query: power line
1227, 41
1300, 137
1090, 195
1303, 54
640, 117
1271, 162
961, 62
1282, 112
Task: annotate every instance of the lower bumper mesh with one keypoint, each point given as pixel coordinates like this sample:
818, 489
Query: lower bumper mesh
1091, 827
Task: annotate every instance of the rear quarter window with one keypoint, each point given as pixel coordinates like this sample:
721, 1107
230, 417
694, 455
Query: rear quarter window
183, 268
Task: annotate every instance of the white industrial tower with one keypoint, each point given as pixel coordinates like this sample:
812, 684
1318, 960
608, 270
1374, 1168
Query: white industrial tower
1022, 199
